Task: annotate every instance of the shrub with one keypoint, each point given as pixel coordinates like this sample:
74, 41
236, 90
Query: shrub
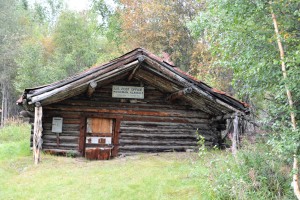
254, 173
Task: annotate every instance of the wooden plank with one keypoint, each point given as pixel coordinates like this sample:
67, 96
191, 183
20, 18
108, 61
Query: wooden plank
116, 137
81, 146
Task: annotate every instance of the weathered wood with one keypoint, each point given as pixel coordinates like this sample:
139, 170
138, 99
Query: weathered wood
91, 89
25, 113
61, 152
175, 76
179, 94
96, 103
62, 145
115, 139
64, 133
155, 148
82, 83
93, 72
81, 146
159, 142
37, 137
156, 124
140, 59
235, 134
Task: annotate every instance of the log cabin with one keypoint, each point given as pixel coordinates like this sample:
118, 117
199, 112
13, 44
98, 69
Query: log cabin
136, 103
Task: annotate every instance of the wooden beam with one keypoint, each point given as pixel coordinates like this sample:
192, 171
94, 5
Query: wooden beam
91, 89
115, 149
81, 83
179, 94
235, 135
37, 134
140, 59
81, 146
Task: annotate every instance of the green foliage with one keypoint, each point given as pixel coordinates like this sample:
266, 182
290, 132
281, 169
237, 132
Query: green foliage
12, 31
14, 141
241, 36
76, 42
252, 174
70, 46
201, 143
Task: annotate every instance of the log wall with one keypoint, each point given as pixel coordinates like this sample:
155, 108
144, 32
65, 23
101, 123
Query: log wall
147, 125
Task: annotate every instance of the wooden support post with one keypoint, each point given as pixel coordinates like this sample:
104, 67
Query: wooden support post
140, 59
91, 89
37, 134
179, 94
235, 135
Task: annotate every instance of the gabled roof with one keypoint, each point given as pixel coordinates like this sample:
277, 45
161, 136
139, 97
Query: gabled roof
144, 66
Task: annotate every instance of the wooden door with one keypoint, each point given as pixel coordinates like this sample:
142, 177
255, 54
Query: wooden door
99, 138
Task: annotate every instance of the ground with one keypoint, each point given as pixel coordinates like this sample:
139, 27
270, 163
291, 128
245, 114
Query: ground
154, 176
209, 174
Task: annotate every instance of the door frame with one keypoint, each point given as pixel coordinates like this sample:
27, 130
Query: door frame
115, 139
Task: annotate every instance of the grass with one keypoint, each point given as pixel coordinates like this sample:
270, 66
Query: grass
213, 175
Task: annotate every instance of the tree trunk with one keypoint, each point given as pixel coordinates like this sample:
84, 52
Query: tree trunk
4, 103
289, 96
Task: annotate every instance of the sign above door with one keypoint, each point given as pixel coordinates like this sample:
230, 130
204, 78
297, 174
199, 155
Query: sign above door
130, 92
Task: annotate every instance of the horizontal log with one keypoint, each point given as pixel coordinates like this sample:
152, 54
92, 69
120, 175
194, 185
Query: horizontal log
113, 103
207, 97
65, 127
64, 133
160, 142
162, 133
154, 148
142, 135
94, 72
81, 83
61, 151
179, 94
50, 137
65, 120
164, 124
54, 146
165, 119
48, 114
67, 145
123, 111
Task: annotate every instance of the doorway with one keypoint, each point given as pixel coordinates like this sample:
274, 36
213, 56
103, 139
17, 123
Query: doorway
99, 138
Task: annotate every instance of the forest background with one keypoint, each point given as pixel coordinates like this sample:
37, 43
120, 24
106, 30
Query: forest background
230, 45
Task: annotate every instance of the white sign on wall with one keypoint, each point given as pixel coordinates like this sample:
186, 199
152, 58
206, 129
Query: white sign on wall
127, 92
57, 124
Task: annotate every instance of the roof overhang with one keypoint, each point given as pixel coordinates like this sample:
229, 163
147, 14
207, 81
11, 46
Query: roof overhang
151, 69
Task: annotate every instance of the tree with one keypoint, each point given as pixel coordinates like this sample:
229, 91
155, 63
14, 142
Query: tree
160, 26
241, 36
70, 45
11, 34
